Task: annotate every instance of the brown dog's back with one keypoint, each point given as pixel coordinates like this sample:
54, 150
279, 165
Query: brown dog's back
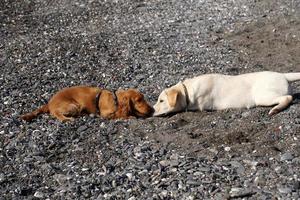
67, 103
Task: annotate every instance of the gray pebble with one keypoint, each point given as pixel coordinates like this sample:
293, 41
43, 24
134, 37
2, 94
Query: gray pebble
39, 195
284, 190
286, 156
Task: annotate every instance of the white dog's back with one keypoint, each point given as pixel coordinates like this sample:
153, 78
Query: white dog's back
291, 77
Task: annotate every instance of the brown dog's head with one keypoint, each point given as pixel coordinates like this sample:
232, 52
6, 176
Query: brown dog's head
132, 103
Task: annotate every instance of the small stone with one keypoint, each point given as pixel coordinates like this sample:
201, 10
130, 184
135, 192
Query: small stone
138, 152
84, 169
180, 185
174, 170
102, 125
240, 169
129, 190
129, 176
240, 192
82, 128
92, 115
235, 191
61, 178
164, 193
198, 173
174, 163
259, 181
284, 190
278, 170
174, 160
296, 160
39, 195
191, 197
2, 177
162, 151
114, 184
164, 163
286, 156
246, 114
204, 169
227, 148
193, 182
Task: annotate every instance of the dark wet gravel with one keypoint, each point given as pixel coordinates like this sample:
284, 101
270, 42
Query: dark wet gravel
149, 45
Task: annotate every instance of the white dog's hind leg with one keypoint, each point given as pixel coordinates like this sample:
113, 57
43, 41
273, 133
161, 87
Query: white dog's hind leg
282, 102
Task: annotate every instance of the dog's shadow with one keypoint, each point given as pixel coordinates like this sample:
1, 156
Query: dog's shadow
296, 98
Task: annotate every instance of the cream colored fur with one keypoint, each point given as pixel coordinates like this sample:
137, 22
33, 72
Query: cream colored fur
218, 92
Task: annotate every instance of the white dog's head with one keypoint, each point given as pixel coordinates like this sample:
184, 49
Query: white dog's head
170, 100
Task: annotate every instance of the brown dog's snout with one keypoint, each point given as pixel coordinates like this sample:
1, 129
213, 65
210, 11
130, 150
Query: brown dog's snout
151, 111
148, 112
144, 109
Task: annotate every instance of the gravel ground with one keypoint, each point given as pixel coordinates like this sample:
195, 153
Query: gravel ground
149, 45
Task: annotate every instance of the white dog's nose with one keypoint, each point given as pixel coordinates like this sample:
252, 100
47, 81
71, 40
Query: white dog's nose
156, 110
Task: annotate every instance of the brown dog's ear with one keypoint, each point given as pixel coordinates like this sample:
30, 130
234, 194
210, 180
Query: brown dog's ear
172, 96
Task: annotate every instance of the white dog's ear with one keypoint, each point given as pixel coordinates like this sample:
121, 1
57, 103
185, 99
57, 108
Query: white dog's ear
172, 96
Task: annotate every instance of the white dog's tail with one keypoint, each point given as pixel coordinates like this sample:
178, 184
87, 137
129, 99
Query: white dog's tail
292, 76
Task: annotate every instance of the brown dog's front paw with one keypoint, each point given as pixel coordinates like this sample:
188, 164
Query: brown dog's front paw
126, 117
131, 117
68, 119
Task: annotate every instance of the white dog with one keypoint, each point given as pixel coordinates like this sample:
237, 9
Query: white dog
217, 92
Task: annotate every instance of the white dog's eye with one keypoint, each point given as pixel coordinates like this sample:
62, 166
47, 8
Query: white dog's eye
160, 101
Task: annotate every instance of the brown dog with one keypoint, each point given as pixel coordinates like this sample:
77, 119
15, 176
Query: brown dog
74, 101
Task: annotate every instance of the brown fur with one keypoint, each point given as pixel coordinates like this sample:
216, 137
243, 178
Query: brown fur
74, 101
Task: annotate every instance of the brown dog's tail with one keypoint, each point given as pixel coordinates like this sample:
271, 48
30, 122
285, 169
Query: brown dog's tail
31, 115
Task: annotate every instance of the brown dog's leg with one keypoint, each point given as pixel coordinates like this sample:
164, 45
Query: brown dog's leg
91, 108
62, 117
64, 111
